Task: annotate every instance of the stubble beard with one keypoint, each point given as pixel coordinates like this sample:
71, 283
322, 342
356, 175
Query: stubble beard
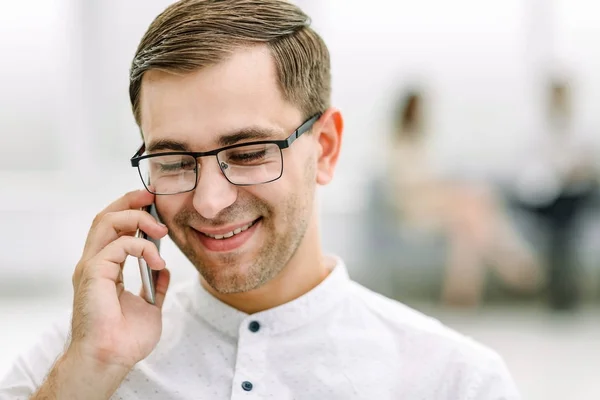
277, 249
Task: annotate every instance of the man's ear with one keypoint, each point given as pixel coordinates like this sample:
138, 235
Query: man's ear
328, 134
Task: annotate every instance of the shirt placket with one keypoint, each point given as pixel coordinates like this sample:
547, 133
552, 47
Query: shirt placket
250, 367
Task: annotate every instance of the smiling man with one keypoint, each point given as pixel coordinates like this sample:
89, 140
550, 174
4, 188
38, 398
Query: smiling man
217, 139
233, 102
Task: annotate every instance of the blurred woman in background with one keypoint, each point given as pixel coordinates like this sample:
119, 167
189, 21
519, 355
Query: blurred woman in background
468, 215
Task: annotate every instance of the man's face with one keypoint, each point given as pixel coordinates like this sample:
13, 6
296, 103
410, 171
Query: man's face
194, 112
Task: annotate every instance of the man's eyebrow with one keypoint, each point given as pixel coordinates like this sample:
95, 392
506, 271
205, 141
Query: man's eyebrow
166, 144
227, 139
247, 134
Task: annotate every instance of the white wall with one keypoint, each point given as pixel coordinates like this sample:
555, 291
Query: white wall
30, 53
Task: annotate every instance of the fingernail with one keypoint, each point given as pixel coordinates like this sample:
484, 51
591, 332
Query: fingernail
161, 224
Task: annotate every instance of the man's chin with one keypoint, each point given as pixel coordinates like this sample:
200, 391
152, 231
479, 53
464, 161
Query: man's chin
227, 278
229, 283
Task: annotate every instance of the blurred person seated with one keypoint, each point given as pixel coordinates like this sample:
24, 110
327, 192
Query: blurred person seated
467, 214
555, 183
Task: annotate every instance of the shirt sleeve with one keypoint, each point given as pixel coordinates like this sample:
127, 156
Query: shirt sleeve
30, 368
494, 383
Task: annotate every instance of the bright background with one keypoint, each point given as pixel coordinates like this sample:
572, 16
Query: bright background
67, 134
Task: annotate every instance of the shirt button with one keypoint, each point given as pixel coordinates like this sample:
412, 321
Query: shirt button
247, 386
254, 326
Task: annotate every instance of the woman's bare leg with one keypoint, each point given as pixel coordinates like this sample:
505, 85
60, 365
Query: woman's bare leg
464, 276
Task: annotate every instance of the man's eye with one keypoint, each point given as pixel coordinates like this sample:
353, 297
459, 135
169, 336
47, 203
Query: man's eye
178, 166
247, 157
170, 167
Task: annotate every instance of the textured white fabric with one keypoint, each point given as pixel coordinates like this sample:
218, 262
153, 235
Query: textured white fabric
339, 341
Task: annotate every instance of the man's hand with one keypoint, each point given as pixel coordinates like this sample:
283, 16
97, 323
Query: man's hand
112, 329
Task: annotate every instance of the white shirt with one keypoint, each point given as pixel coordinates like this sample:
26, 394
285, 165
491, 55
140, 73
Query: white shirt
545, 169
340, 341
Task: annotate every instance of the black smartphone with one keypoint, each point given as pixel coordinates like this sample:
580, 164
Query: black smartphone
148, 275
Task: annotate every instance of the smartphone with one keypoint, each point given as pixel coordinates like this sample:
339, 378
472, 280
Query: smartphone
149, 276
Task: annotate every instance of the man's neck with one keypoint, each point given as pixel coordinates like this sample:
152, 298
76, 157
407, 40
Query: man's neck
306, 270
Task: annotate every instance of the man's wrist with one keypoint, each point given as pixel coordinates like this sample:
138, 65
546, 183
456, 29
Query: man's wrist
77, 377
105, 378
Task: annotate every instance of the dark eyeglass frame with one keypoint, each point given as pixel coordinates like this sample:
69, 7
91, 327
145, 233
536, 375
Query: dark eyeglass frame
282, 144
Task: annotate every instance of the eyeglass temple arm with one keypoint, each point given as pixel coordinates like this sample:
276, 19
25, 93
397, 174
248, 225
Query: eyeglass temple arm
306, 126
134, 162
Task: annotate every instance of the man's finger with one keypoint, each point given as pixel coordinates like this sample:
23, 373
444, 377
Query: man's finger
162, 285
107, 264
116, 224
133, 200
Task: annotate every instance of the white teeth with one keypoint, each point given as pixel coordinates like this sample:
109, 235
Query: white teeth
230, 234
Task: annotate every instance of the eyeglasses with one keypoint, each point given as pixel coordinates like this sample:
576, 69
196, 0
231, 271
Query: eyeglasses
243, 164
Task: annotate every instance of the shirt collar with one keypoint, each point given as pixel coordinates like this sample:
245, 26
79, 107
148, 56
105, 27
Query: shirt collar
288, 316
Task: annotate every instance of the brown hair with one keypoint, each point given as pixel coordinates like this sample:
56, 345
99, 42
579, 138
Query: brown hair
408, 118
559, 97
191, 34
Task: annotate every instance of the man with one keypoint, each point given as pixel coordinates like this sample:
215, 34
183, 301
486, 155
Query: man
232, 99
556, 184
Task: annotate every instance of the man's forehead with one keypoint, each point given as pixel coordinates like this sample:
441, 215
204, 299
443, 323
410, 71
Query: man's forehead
240, 96
247, 71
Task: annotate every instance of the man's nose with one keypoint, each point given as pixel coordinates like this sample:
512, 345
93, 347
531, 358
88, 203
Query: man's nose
213, 192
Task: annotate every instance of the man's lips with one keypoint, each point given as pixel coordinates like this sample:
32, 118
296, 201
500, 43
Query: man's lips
226, 231
230, 240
